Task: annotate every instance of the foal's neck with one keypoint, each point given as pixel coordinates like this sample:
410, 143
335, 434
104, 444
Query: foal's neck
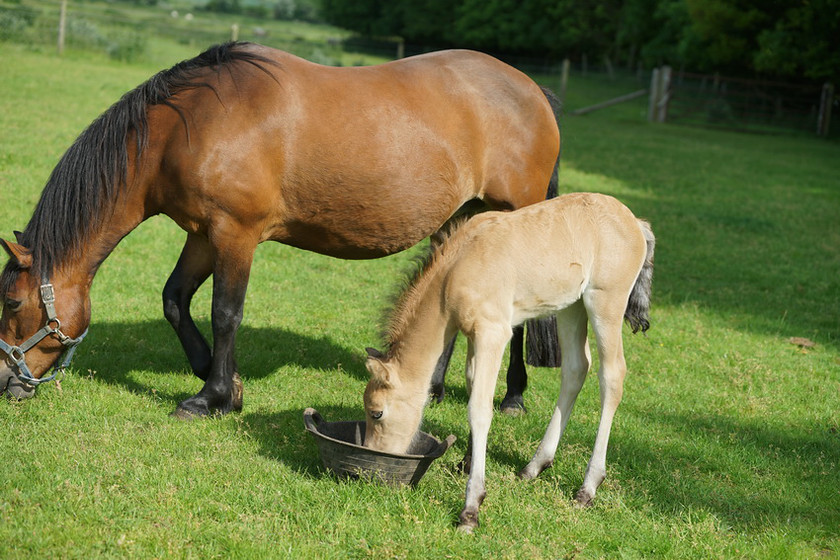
427, 328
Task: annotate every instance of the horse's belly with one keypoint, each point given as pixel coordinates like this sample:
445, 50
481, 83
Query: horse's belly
357, 235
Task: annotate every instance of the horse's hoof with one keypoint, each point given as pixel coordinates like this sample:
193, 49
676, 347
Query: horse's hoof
533, 470
466, 529
191, 409
468, 522
184, 414
513, 406
583, 499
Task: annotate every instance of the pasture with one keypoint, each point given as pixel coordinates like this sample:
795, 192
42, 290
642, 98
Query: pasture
726, 445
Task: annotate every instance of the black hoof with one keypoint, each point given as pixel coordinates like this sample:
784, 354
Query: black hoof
437, 394
513, 406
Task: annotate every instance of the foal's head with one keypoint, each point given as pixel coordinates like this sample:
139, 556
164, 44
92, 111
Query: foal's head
393, 407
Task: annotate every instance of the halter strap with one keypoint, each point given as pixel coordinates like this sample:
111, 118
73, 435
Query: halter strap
53, 326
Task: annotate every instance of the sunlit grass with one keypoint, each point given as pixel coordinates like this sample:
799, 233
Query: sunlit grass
727, 442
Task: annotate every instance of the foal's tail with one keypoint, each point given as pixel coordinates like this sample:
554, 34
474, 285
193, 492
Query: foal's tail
638, 306
542, 342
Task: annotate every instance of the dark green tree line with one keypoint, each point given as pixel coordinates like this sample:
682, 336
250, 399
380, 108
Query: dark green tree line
769, 38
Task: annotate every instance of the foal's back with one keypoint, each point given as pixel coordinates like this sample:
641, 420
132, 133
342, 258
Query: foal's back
544, 257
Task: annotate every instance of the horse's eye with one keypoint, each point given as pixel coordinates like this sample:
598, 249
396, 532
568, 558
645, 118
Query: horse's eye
376, 414
13, 305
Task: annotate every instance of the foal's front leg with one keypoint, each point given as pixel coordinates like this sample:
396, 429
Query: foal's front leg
222, 391
483, 362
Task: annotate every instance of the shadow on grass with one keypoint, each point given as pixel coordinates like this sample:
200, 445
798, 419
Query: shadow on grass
748, 230
283, 438
115, 350
745, 473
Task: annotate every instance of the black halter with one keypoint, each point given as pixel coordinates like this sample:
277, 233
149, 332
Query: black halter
53, 326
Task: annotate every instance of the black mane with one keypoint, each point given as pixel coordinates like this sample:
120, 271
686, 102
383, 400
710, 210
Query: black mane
88, 179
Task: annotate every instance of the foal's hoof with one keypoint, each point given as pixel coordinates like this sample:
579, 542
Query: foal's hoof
437, 394
583, 499
532, 471
468, 522
513, 406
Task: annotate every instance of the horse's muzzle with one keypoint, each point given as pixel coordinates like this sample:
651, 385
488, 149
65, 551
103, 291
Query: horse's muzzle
12, 386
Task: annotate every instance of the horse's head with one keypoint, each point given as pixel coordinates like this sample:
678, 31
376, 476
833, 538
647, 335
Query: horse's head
40, 325
393, 409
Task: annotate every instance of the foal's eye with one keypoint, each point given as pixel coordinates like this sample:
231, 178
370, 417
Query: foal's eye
376, 414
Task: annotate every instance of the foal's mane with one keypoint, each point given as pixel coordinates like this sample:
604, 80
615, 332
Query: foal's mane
426, 267
92, 173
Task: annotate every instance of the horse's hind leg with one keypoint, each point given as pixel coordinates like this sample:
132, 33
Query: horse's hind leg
194, 267
517, 378
222, 391
606, 312
571, 326
437, 388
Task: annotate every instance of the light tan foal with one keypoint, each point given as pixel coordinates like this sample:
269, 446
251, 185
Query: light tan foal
581, 256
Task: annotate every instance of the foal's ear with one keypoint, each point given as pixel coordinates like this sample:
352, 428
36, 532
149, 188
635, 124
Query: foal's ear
374, 353
18, 253
380, 372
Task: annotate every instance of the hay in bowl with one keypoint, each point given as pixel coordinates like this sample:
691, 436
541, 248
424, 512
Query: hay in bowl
341, 445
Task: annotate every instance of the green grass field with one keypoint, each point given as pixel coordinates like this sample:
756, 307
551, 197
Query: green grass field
727, 443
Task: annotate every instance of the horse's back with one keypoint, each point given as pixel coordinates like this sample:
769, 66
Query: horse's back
360, 162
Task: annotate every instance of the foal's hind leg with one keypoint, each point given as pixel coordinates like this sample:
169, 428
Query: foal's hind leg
607, 312
571, 326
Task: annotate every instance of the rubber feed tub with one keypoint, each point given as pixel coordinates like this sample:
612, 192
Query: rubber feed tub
342, 452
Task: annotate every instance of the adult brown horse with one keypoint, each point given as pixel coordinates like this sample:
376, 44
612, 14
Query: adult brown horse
244, 144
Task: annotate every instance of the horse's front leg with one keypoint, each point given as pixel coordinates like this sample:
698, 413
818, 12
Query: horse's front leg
483, 362
194, 267
222, 391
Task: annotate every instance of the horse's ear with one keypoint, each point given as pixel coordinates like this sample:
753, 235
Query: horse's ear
18, 253
380, 372
19, 237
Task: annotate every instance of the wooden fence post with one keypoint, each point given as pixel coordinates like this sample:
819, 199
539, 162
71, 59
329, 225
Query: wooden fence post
664, 94
564, 79
62, 24
234, 32
654, 95
824, 118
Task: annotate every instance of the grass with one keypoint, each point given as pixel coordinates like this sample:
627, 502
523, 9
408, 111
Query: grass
727, 443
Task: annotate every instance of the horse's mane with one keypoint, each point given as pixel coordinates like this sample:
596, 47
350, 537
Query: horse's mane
425, 267
86, 183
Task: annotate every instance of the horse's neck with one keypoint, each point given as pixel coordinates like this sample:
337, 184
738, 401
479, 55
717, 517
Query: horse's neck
103, 240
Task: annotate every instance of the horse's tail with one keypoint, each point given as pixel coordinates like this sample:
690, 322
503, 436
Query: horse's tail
638, 306
556, 106
543, 345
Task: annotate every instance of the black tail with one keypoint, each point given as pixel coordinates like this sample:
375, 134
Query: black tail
543, 346
638, 306
556, 107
